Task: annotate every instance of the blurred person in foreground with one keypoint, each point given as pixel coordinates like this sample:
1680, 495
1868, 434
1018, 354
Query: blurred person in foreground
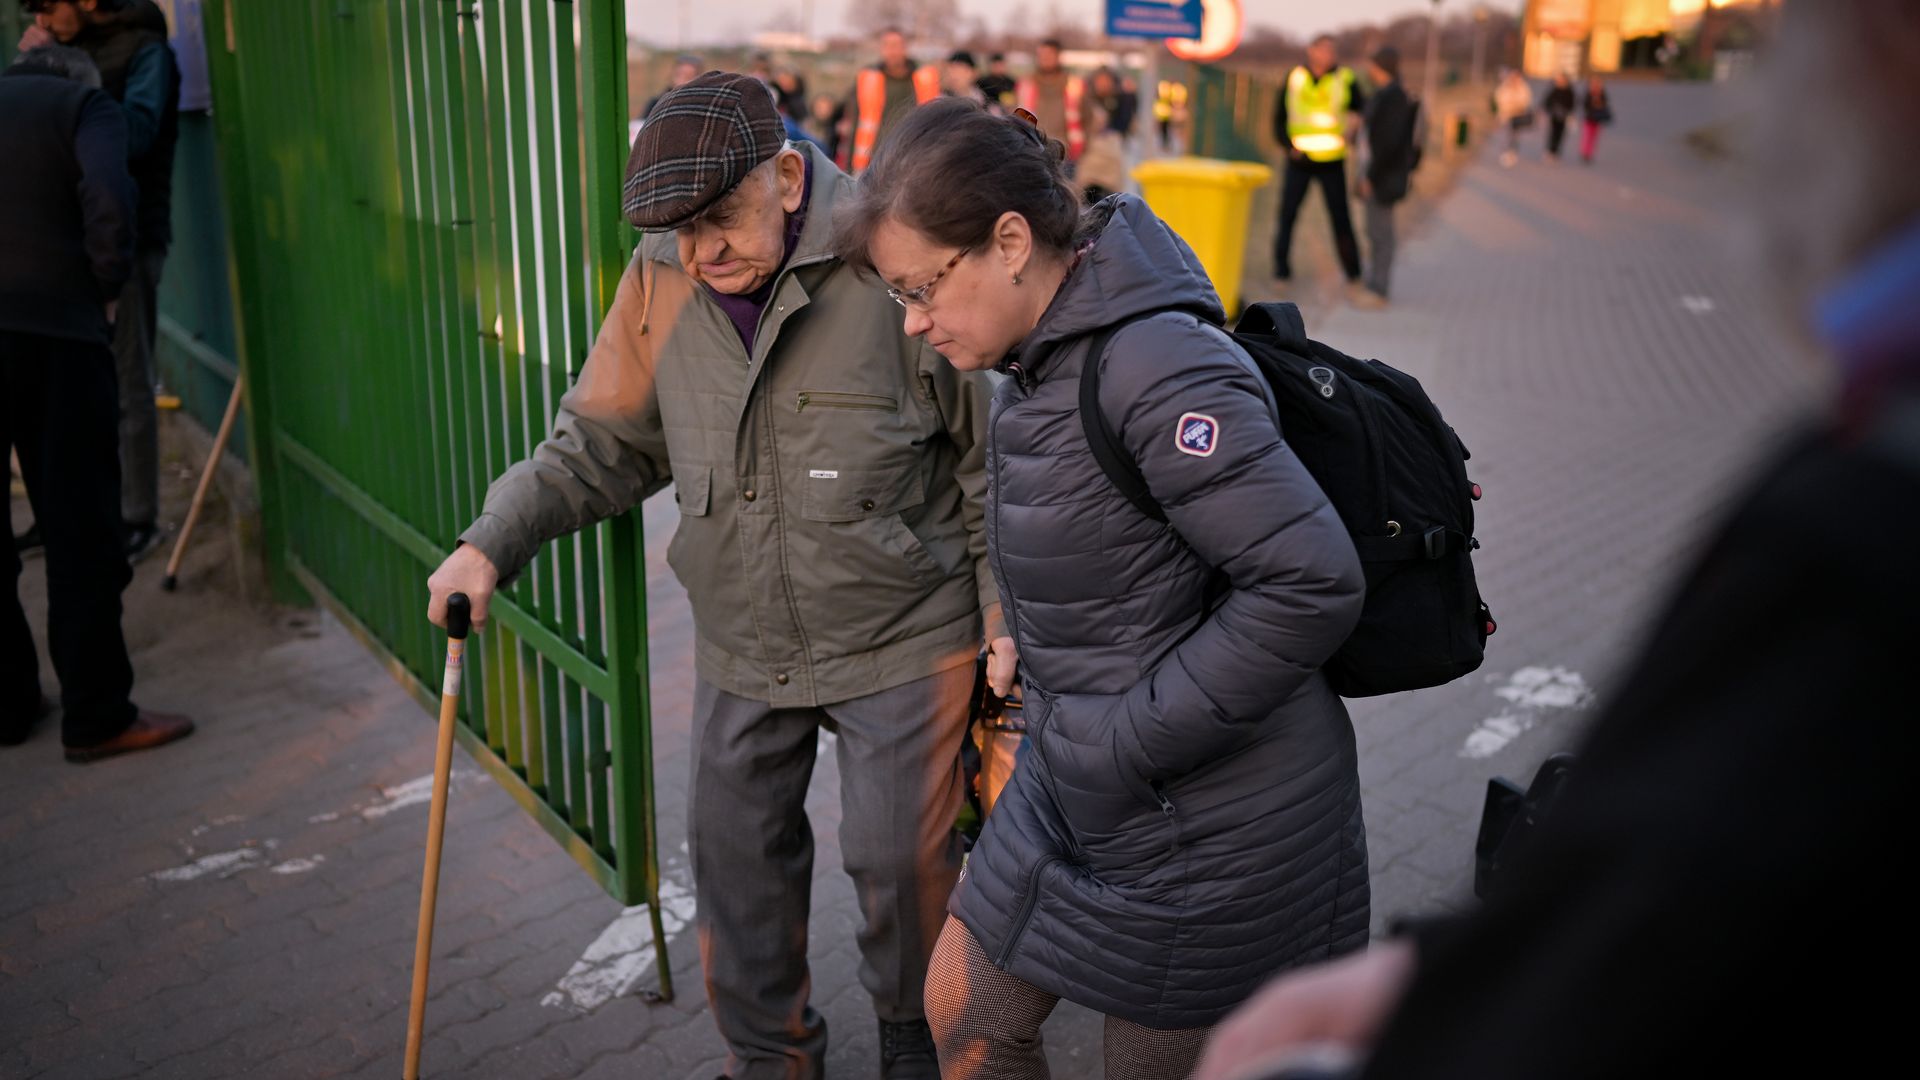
1706, 897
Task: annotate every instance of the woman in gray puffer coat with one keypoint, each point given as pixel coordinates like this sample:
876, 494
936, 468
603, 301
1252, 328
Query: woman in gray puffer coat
1185, 818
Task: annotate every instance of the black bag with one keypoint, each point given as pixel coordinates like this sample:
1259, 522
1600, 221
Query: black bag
1395, 472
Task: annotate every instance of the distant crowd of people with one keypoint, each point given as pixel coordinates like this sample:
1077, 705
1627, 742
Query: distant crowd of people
1094, 115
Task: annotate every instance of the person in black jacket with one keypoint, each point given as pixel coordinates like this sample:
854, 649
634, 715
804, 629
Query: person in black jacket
1558, 105
1392, 151
1185, 819
67, 215
127, 40
1717, 891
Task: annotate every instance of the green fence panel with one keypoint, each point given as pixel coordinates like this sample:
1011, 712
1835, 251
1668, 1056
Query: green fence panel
423, 203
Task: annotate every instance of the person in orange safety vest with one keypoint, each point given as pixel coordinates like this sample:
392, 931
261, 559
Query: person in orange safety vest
884, 94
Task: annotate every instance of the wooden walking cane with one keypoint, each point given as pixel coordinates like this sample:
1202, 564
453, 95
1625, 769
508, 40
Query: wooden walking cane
171, 581
459, 622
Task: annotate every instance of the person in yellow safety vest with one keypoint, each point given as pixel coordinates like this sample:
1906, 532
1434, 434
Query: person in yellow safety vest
1319, 111
1169, 109
1055, 98
884, 94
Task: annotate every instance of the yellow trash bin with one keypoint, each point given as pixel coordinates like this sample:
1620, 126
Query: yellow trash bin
1208, 202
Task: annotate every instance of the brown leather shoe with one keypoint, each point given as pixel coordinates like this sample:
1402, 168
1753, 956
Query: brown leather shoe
150, 729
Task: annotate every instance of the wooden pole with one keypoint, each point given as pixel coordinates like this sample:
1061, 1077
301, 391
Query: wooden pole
172, 580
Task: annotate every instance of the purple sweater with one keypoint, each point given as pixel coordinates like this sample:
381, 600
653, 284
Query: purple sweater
745, 309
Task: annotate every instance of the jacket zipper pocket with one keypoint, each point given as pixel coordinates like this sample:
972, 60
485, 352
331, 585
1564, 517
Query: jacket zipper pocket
1025, 914
825, 399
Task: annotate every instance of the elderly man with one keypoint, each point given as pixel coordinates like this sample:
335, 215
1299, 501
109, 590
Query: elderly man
829, 472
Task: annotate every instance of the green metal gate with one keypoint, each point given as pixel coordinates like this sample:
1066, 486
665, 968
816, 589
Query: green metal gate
424, 212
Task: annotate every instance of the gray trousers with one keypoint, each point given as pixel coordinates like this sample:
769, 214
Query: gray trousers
1379, 244
135, 324
752, 851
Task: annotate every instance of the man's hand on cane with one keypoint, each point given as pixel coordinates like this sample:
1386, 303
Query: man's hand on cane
468, 571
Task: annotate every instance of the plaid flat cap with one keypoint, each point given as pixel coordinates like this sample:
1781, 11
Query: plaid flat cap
699, 142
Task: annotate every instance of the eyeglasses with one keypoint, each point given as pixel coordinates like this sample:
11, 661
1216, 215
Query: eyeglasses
922, 297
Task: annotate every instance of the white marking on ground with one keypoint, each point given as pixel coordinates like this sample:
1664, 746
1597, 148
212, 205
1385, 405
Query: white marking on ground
411, 793
1531, 691
299, 866
1546, 688
623, 953
824, 744
320, 819
1493, 735
220, 864
230, 819
1699, 305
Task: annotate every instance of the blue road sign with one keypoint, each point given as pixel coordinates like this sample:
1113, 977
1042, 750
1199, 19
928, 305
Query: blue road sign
1153, 18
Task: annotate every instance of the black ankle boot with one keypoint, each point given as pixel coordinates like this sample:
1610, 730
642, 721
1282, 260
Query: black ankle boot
906, 1052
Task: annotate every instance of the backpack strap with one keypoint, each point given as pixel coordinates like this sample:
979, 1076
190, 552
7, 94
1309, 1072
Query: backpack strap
1280, 319
1122, 471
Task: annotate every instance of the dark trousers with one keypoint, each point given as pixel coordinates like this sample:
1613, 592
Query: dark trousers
1556, 132
1332, 176
60, 410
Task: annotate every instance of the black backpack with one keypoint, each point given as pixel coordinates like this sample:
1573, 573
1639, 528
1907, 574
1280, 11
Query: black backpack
1395, 472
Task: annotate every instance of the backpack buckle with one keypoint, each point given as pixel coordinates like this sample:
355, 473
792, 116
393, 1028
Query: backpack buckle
1436, 541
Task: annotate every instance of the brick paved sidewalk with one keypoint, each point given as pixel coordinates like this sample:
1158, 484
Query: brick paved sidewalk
243, 903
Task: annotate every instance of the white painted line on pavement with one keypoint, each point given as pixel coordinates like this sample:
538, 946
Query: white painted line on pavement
411, 793
623, 953
1699, 305
1546, 688
1531, 691
299, 866
1493, 735
221, 864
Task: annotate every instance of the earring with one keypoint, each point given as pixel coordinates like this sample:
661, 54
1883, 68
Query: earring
1016, 279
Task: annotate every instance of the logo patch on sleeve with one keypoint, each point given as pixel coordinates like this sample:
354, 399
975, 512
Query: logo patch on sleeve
1198, 434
